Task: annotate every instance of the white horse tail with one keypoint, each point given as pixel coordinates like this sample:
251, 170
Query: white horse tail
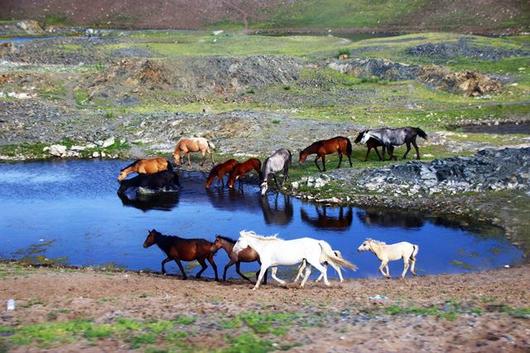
210, 144
415, 250
331, 256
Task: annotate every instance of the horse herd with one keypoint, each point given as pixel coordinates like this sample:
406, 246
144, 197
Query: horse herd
158, 173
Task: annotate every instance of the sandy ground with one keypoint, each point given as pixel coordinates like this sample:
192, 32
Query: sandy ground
350, 319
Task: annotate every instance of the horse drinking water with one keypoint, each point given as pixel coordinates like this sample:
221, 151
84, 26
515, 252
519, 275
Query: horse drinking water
242, 169
178, 249
276, 162
219, 171
390, 137
186, 145
145, 166
341, 145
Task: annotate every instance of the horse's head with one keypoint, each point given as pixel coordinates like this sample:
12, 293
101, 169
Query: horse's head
360, 136
176, 158
366, 136
218, 243
151, 238
302, 157
366, 245
122, 175
264, 186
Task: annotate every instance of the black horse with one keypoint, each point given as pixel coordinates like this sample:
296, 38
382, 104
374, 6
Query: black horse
166, 180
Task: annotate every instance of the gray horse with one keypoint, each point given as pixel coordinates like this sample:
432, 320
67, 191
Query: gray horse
278, 161
390, 137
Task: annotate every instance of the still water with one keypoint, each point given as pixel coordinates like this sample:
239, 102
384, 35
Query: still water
69, 210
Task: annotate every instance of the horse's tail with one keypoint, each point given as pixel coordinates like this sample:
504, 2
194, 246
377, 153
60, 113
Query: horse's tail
170, 166
415, 249
421, 133
290, 157
348, 147
210, 144
330, 256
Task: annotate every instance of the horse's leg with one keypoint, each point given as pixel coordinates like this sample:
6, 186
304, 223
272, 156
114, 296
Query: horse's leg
238, 270
203, 157
301, 269
323, 270
337, 268
262, 271
340, 159
181, 269
316, 159
412, 266
382, 266
266, 274
285, 172
306, 276
405, 267
408, 149
276, 181
324, 163
384, 150
230, 263
167, 259
273, 275
368, 152
416, 148
204, 267
377, 152
214, 266
189, 158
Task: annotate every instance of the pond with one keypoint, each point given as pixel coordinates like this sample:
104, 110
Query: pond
69, 211
520, 127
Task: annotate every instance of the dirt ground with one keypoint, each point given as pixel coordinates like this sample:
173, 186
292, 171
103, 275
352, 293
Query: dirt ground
367, 315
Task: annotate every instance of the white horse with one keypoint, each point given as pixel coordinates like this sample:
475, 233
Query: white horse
325, 263
403, 250
278, 161
274, 251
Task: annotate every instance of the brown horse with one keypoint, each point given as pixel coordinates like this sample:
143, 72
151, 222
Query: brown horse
178, 249
341, 145
243, 168
145, 166
186, 145
245, 255
219, 171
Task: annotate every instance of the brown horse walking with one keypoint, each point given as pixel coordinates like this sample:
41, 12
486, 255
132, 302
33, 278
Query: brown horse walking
243, 168
219, 171
341, 145
178, 249
145, 166
245, 255
186, 145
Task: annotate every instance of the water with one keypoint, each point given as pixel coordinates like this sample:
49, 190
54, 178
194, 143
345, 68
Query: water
69, 210
522, 127
25, 39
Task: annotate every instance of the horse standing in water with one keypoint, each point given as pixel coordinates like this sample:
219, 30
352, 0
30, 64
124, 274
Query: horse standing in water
178, 249
219, 171
341, 145
243, 168
245, 255
390, 137
166, 180
186, 145
276, 162
145, 166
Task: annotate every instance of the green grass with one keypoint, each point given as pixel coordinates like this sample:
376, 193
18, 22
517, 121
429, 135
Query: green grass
262, 323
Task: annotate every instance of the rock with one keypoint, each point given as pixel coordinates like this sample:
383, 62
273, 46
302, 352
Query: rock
30, 27
108, 142
95, 154
57, 150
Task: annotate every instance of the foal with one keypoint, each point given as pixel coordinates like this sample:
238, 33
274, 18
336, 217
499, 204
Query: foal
341, 145
245, 255
243, 168
178, 249
403, 250
219, 171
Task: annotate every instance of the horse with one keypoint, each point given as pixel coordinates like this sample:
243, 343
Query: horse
219, 171
278, 161
178, 249
160, 181
341, 145
145, 166
390, 137
243, 168
274, 251
245, 255
403, 250
193, 144
371, 143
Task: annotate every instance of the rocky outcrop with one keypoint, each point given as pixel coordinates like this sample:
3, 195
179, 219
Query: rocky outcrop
487, 170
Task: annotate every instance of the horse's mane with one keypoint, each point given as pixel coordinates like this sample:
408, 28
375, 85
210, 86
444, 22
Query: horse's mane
376, 241
130, 165
252, 234
227, 239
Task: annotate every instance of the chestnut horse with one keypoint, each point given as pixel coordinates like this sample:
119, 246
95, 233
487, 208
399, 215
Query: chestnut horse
192, 144
178, 249
145, 166
219, 171
341, 145
243, 168
246, 255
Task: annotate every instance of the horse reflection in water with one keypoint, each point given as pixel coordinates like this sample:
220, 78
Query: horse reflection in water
233, 199
280, 214
389, 219
160, 201
341, 221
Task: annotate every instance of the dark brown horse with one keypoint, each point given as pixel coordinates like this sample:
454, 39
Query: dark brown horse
178, 249
243, 168
245, 255
322, 220
341, 145
219, 171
